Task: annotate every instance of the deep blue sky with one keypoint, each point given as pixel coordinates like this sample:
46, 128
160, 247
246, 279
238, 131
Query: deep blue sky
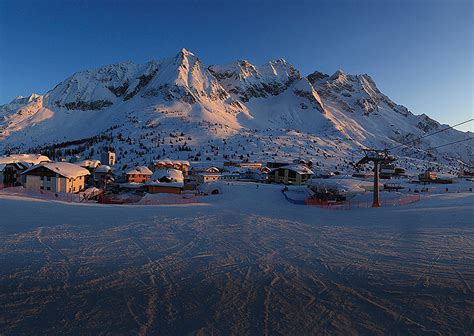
419, 52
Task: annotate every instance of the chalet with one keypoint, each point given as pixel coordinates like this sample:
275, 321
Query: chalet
245, 174
198, 170
244, 164
253, 175
11, 167
10, 173
445, 179
90, 165
205, 167
182, 165
466, 173
29, 158
290, 174
303, 162
250, 165
56, 177
139, 174
230, 177
170, 181
108, 157
274, 165
132, 187
212, 170
427, 176
387, 171
103, 173
399, 172
208, 177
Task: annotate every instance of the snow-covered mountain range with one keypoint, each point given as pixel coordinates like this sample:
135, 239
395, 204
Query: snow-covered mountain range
179, 107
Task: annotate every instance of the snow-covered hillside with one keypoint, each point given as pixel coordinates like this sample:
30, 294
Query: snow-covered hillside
180, 108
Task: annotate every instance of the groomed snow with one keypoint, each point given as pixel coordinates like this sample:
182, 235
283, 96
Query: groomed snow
242, 262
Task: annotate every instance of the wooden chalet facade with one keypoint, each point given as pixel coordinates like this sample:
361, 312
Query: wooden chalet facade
168, 181
181, 165
139, 174
56, 177
10, 173
290, 174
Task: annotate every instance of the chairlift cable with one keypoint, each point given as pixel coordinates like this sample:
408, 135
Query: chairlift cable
430, 134
451, 143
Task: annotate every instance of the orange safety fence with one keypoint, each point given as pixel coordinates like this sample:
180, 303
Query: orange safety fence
76, 198
138, 200
348, 205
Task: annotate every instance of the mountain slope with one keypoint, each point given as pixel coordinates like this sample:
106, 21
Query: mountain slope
179, 107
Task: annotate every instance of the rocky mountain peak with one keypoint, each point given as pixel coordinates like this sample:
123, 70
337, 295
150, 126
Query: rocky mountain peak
316, 76
183, 92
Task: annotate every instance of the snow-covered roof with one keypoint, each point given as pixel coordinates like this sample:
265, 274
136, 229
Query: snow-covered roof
140, 170
237, 170
230, 174
175, 177
131, 185
173, 174
169, 162
92, 191
19, 165
297, 168
103, 169
29, 158
65, 169
88, 163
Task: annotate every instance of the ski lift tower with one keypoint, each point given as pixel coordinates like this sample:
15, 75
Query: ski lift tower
378, 157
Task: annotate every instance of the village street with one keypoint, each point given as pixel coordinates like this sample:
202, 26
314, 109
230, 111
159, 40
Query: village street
245, 261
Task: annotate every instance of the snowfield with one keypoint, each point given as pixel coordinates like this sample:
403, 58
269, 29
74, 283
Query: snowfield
243, 262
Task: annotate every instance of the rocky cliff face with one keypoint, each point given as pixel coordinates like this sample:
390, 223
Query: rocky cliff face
246, 81
182, 77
